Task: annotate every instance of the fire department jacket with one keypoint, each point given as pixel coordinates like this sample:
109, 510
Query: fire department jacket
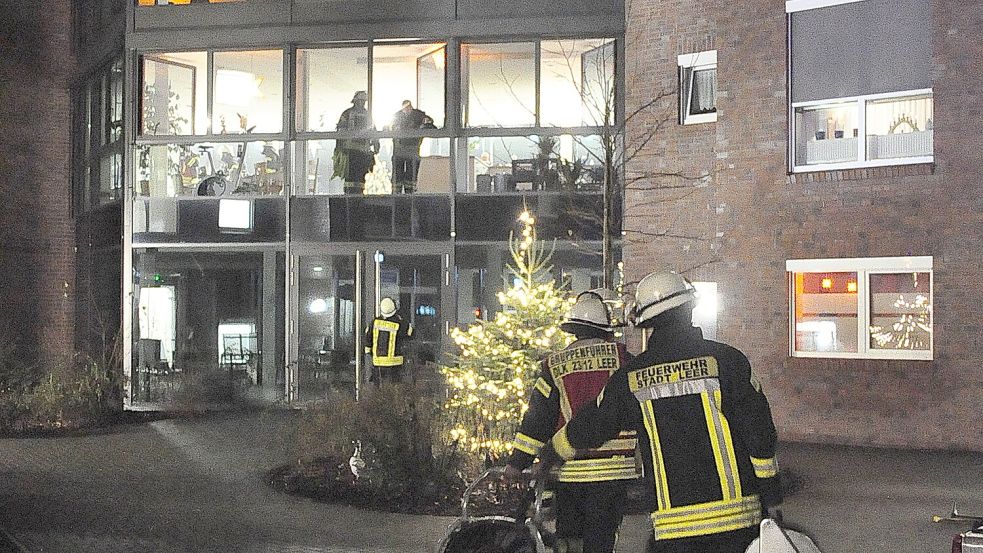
568, 380
705, 431
386, 339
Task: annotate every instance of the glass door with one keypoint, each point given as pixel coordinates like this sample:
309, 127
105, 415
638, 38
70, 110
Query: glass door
416, 284
336, 297
327, 325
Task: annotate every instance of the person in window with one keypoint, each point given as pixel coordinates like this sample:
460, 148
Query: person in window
406, 151
386, 340
355, 157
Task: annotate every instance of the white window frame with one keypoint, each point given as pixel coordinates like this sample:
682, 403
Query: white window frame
863, 267
792, 6
862, 161
696, 61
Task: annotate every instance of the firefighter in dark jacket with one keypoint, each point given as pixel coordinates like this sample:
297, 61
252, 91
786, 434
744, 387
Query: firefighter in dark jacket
705, 430
590, 488
386, 341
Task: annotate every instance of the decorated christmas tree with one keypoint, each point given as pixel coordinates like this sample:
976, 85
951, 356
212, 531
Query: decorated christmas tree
489, 380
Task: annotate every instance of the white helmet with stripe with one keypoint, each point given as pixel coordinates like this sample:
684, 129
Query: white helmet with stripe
387, 307
589, 311
659, 292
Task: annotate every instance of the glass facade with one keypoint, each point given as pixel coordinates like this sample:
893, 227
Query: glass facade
279, 193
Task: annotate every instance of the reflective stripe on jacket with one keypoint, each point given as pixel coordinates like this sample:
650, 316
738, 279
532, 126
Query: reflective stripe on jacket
385, 339
569, 380
706, 435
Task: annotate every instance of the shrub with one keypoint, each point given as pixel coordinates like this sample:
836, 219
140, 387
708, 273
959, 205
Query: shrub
410, 462
86, 393
17, 377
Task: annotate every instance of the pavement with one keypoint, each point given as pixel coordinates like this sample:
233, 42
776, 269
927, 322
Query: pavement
179, 485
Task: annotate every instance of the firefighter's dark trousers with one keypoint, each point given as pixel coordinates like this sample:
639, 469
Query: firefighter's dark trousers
735, 541
589, 511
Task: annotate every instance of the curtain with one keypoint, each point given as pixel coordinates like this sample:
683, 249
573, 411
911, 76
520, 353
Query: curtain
703, 94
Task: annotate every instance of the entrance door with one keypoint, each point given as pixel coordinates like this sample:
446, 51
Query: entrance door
335, 299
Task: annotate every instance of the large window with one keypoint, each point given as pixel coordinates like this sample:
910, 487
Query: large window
877, 308
246, 97
860, 83
98, 139
552, 83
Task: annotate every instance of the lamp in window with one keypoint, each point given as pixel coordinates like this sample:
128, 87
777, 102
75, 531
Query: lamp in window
236, 88
827, 283
851, 287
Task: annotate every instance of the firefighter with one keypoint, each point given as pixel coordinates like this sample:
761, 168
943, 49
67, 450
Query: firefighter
386, 341
706, 435
590, 489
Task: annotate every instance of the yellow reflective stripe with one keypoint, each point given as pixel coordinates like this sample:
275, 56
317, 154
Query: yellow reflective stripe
543, 387
729, 446
712, 431
594, 464
745, 521
765, 468
597, 475
561, 444
527, 444
708, 510
658, 465
618, 444
707, 518
390, 359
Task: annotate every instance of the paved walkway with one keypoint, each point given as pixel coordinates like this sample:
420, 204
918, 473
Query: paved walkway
194, 485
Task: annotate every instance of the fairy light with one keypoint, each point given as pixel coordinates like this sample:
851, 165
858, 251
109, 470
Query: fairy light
497, 364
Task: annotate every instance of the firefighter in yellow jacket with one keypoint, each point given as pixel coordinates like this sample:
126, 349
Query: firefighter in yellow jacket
385, 340
705, 430
590, 488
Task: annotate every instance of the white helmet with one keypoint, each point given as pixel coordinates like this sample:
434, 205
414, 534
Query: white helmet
387, 307
589, 311
659, 292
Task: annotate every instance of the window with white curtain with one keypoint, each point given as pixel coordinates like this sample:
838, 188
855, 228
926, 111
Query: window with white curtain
698, 87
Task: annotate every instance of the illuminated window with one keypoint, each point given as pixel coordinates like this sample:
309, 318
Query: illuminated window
248, 92
499, 81
328, 80
860, 80
877, 308
577, 83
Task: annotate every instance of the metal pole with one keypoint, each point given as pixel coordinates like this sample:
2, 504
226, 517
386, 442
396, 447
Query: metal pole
378, 280
359, 345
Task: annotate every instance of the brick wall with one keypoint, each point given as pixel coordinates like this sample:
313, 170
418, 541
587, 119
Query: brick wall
741, 225
36, 234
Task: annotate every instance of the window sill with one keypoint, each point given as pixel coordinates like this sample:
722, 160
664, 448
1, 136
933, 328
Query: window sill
880, 355
698, 119
850, 172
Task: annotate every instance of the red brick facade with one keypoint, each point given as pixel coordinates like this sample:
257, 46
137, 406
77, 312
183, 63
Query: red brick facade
750, 216
37, 282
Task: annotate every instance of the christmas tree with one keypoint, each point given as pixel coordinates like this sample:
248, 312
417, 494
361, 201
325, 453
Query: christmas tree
489, 381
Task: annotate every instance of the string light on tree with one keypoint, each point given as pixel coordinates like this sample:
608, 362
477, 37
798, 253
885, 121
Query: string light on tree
489, 381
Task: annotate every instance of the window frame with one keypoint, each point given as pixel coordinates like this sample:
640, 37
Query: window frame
861, 106
697, 61
864, 267
792, 6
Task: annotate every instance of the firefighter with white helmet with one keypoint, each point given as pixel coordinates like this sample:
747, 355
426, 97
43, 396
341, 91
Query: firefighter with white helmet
705, 430
385, 340
590, 488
